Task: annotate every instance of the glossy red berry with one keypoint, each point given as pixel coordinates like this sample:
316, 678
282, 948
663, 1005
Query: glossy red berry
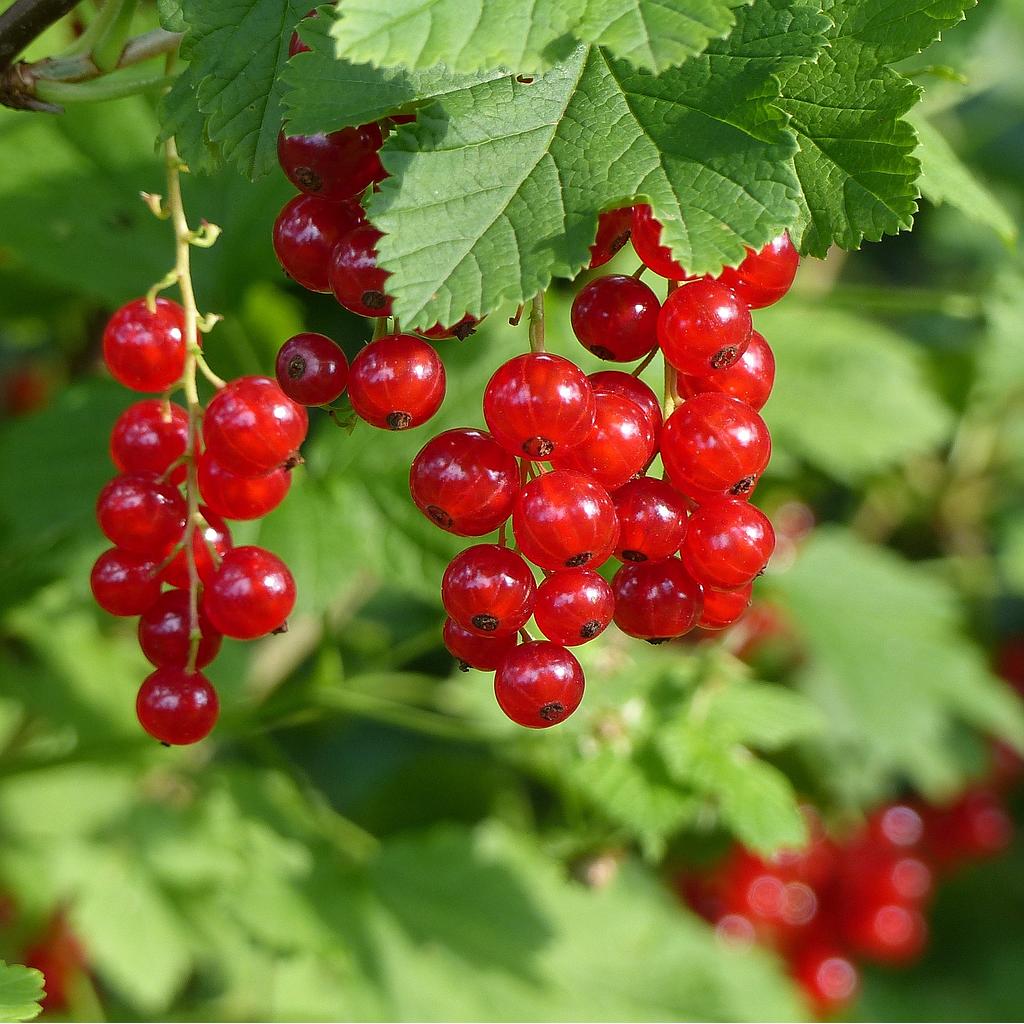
241, 497
305, 234
164, 632
140, 513
251, 426
538, 404
975, 826
613, 228
723, 607
475, 651
727, 544
148, 437
764, 276
703, 327
620, 446
356, 280
397, 382
652, 520
616, 318
646, 239
336, 166
564, 520
488, 590
177, 707
714, 444
144, 350
124, 583
573, 606
465, 482
539, 684
656, 601
311, 369
749, 379
828, 977
251, 594
891, 933
211, 533
462, 330
625, 384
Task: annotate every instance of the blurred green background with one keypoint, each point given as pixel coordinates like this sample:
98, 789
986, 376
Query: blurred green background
365, 836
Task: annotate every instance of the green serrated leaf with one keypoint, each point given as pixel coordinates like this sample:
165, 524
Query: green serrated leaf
760, 715
21, 989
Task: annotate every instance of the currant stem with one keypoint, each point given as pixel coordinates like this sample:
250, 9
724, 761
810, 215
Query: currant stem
537, 323
645, 362
380, 328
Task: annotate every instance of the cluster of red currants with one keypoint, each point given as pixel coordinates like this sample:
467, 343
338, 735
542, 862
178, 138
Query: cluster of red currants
238, 469
864, 897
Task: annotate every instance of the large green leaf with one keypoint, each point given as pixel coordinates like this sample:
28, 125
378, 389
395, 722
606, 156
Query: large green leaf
21, 989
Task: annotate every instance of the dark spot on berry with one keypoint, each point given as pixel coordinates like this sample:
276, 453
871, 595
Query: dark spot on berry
293, 460
553, 711
577, 560
601, 352
283, 628
724, 357
618, 242
463, 666
439, 516
296, 367
590, 629
744, 486
655, 640
374, 299
488, 623
538, 447
634, 556
308, 179
398, 421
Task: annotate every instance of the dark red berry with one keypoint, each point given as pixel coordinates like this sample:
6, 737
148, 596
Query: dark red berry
177, 707
749, 379
891, 933
124, 583
539, 684
652, 520
703, 327
295, 44
538, 404
723, 607
656, 601
625, 384
727, 544
356, 280
714, 444
465, 482
974, 827
251, 426
646, 239
164, 632
462, 330
475, 651
336, 166
311, 369
621, 445
564, 520
616, 318
305, 234
251, 594
573, 606
397, 382
211, 533
241, 497
828, 977
145, 350
764, 276
140, 513
488, 590
148, 437
613, 228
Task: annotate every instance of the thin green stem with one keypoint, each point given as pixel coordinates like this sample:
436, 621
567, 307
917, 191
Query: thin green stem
110, 42
108, 87
537, 323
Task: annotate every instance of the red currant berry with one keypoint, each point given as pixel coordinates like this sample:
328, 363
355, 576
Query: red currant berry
144, 350
974, 827
251, 594
564, 520
723, 607
714, 444
123, 583
621, 446
828, 977
573, 606
212, 533
251, 426
397, 382
634, 389
295, 44
537, 404
539, 684
656, 601
474, 651
177, 707
727, 544
897, 826
749, 379
465, 328
241, 497
703, 327
765, 276
148, 436
613, 227
465, 482
164, 632
616, 318
305, 233
311, 369
141, 514
488, 590
652, 520
646, 239
890, 934
335, 166
356, 280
